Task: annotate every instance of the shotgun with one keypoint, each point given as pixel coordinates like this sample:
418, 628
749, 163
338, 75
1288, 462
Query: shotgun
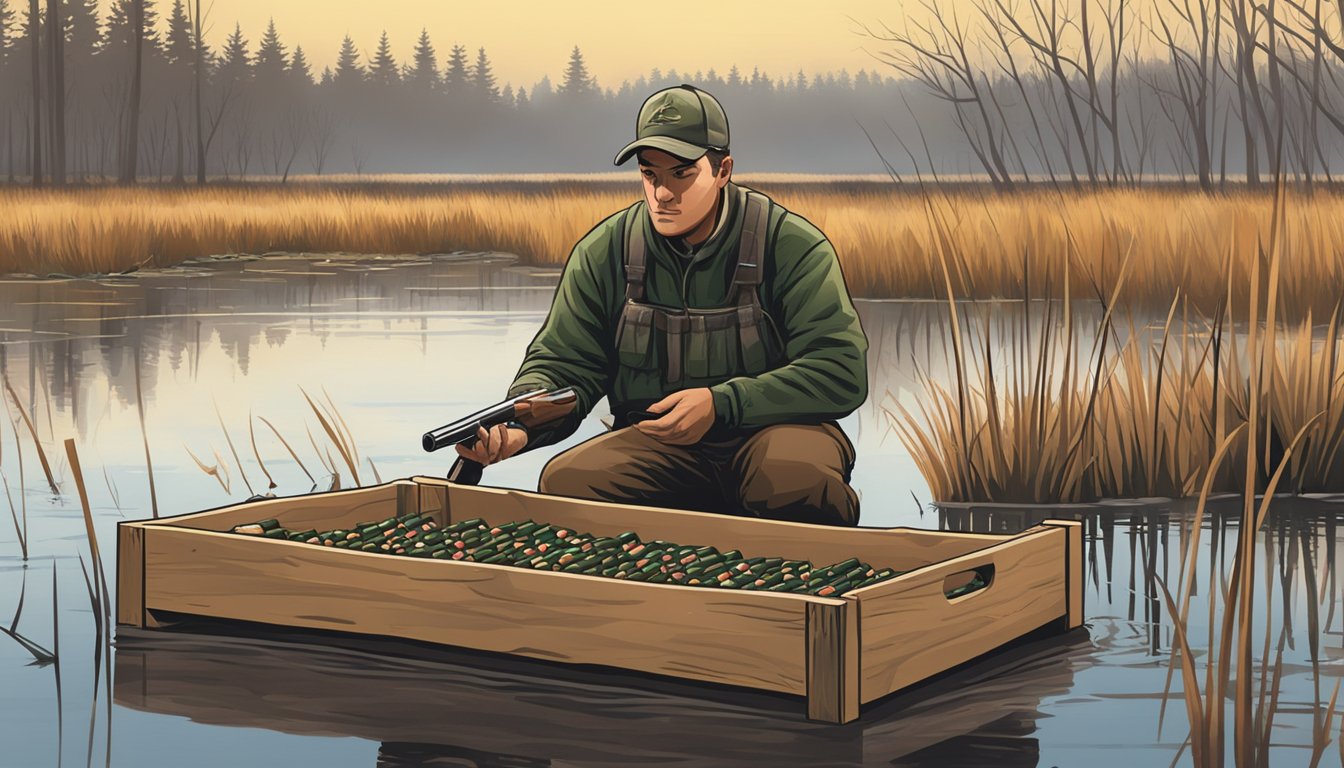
531, 409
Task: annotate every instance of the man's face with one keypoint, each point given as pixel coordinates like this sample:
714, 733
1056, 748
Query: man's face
681, 194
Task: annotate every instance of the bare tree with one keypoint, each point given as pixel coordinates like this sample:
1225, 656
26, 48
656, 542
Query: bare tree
130, 165
323, 128
1046, 40
35, 158
936, 55
360, 154
294, 127
56, 89
197, 65
1005, 59
1194, 74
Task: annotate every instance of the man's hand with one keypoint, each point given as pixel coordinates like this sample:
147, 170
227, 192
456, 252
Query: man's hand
686, 417
499, 443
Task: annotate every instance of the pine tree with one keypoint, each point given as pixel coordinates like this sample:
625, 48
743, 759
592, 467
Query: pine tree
506, 95
455, 74
383, 70
234, 64
6, 18
271, 61
299, 71
326, 76
522, 101
424, 76
84, 31
179, 49
483, 78
734, 77
802, 81
577, 82
542, 91
348, 69
118, 32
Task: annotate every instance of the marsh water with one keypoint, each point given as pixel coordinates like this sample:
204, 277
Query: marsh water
184, 364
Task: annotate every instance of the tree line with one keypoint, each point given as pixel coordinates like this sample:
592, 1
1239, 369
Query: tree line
1079, 92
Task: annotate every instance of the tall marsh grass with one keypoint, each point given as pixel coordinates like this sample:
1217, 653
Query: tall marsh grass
1074, 407
1176, 240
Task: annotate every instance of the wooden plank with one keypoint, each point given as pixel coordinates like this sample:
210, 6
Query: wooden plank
1075, 587
912, 631
833, 662
434, 501
899, 548
739, 638
131, 574
408, 498
323, 511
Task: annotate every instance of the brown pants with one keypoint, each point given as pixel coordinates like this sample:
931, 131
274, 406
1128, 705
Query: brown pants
792, 472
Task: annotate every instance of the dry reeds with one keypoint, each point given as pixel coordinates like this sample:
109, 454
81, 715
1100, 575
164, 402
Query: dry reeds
1179, 241
1092, 409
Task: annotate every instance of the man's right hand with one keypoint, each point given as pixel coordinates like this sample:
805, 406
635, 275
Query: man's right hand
498, 443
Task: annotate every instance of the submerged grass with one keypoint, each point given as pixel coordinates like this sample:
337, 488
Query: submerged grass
1180, 241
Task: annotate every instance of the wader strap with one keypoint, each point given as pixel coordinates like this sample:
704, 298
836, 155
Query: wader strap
636, 255
751, 248
747, 277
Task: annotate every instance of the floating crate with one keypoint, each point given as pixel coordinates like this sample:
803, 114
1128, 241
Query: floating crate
839, 653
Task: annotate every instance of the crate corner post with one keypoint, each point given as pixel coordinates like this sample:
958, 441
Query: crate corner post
131, 574
833, 661
1073, 569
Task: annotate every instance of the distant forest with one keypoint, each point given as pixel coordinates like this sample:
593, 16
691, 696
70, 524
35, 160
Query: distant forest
1083, 92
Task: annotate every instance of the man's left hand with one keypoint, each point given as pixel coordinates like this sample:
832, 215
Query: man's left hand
685, 417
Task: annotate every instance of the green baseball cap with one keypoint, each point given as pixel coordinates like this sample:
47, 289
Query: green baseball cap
683, 121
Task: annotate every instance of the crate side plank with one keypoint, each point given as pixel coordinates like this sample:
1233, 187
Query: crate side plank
912, 631
320, 511
739, 638
899, 548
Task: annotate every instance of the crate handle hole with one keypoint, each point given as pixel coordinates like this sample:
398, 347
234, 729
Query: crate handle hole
968, 582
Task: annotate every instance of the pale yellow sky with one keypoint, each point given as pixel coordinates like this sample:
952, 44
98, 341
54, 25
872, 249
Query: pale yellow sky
526, 39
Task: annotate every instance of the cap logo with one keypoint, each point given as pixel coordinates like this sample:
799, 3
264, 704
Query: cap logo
666, 113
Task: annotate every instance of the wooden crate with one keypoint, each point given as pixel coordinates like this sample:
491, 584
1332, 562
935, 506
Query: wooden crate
839, 653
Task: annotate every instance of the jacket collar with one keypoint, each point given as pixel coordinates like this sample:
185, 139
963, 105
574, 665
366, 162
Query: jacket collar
725, 231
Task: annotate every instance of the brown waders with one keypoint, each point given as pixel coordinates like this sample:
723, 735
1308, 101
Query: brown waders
796, 472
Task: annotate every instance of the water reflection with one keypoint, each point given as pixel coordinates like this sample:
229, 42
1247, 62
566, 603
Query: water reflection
403, 345
426, 705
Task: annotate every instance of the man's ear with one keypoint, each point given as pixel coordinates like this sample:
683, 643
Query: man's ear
725, 170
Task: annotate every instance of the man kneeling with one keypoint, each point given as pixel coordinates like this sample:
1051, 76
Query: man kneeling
719, 327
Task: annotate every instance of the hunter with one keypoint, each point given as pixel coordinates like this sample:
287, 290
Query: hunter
719, 328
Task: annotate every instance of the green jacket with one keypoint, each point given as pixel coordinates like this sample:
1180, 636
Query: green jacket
818, 344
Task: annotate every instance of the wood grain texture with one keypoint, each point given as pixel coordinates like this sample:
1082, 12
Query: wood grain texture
329, 510
1073, 573
911, 630
899, 548
131, 574
753, 639
833, 662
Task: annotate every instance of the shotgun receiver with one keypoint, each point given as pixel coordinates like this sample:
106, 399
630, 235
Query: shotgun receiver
531, 409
